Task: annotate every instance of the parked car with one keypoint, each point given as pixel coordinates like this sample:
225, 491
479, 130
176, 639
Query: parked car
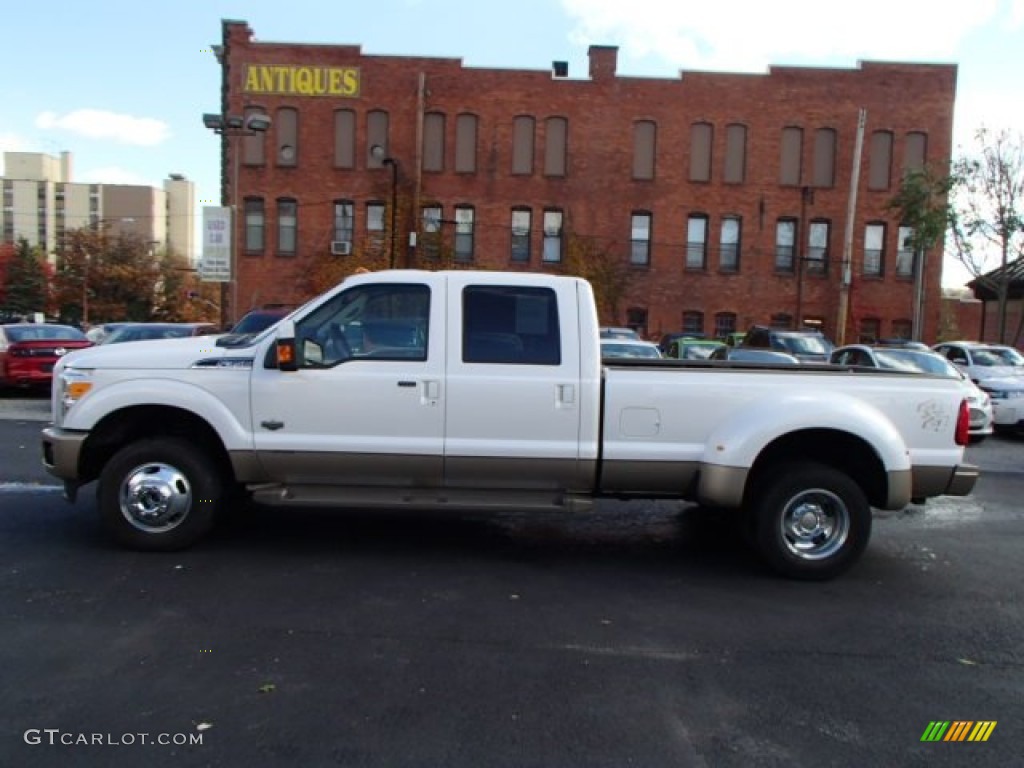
982, 361
629, 348
693, 349
807, 346
252, 323
150, 331
733, 339
665, 344
28, 351
747, 355
98, 333
610, 332
908, 358
1007, 395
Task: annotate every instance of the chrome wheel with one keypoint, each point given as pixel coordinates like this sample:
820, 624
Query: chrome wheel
155, 497
815, 524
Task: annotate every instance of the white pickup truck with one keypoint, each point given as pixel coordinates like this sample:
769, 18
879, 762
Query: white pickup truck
486, 390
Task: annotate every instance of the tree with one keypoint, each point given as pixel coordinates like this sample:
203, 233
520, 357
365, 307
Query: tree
608, 274
988, 216
25, 285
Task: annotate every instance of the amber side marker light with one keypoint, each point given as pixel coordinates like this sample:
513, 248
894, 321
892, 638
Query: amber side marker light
286, 355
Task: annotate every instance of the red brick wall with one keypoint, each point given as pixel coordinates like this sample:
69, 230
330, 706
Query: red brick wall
598, 193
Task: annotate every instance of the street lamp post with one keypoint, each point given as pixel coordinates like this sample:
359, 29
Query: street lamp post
234, 127
378, 152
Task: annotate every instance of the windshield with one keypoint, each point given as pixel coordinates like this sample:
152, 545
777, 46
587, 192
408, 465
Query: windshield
145, 333
30, 332
919, 362
629, 350
1004, 356
806, 345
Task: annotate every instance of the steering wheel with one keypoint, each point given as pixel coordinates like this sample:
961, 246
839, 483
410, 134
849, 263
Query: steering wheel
339, 346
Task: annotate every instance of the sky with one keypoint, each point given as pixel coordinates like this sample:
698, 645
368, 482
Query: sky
123, 85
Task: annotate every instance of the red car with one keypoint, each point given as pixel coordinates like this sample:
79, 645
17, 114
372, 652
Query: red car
28, 351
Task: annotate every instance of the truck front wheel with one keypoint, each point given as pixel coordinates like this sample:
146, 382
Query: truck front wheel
810, 521
160, 494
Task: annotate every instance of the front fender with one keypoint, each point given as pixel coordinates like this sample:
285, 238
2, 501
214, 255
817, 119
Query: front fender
233, 425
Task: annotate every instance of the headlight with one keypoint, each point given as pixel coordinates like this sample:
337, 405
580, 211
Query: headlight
72, 385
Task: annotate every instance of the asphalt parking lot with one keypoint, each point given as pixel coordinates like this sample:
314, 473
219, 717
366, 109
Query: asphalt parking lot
641, 635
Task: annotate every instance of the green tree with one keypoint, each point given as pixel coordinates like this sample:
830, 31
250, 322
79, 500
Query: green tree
608, 274
25, 283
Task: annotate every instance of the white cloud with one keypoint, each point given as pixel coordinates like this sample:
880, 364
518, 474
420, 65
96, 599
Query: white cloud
112, 174
748, 36
100, 124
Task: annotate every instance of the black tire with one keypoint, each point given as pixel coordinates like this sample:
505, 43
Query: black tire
160, 494
811, 521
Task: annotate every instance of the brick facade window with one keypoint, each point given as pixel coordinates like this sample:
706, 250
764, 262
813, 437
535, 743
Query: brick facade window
905, 257
521, 225
286, 129
902, 329
433, 141
523, 129
781, 320
880, 162
430, 232
725, 323
817, 247
636, 318
375, 225
344, 138
556, 137
701, 135
791, 155
552, 252
465, 143
377, 127
640, 239
874, 250
785, 245
824, 157
287, 226
344, 221
729, 244
870, 330
464, 233
254, 144
915, 151
644, 143
735, 154
255, 224
693, 321
697, 241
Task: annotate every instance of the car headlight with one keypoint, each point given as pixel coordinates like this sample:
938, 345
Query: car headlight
72, 385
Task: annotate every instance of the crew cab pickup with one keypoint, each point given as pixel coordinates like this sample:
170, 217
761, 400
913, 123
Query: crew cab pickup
486, 390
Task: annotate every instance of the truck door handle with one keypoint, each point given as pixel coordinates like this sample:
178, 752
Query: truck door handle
407, 383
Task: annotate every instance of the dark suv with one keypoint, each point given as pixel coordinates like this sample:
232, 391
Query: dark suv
807, 346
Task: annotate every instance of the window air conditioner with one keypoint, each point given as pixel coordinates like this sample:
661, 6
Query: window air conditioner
341, 247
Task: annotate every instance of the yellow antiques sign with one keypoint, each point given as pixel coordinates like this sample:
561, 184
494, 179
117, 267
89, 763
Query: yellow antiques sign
302, 81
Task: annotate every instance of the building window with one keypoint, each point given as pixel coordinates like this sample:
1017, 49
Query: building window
344, 138
817, 247
433, 141
344, 221
735, 154
377, 136
521, 234
791, 156
693, 321
522, 145
725, 323
824, 157
785, 245
915, 151
696, 241
552, 237
644, 136
874, 250
729, 244
902, 329
905, 252
640, 240
465, 143
636, 318
870, 330
430, 240
880, 168
287, 226
781, 320
254, 225
287, 133
463, 233
556, 135
375, 225
254, 142
700, 151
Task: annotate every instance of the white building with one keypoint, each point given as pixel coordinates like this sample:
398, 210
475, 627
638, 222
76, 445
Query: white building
41, 202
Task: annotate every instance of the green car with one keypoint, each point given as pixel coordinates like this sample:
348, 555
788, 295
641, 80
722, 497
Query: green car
693, 349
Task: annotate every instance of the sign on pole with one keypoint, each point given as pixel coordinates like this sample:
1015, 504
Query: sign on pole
215, 266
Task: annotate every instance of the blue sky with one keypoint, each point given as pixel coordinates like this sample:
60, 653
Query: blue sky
123, 85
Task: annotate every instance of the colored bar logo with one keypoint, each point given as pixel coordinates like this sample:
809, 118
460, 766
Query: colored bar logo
958, 730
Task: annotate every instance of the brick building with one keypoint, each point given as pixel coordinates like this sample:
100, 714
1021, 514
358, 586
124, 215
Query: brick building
710, 201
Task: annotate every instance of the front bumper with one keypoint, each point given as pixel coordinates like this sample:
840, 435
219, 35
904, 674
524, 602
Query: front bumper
61, 452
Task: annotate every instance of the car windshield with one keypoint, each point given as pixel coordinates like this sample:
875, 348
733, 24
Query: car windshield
911, 360
806, 345
629, 350
30, 332
1006, 356
146, 332
698, 351
988, 358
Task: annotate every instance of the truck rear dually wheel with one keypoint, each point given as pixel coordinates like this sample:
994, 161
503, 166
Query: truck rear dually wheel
811, 521
160, 494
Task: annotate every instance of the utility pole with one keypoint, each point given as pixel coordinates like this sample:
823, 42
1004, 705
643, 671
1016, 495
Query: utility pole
846, 273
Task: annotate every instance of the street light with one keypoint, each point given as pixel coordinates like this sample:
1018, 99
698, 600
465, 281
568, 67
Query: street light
234, 126
378, 153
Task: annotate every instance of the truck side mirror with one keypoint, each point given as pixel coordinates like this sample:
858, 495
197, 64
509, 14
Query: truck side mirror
287, 357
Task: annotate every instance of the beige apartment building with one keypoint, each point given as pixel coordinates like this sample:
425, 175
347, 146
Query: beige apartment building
41, 202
